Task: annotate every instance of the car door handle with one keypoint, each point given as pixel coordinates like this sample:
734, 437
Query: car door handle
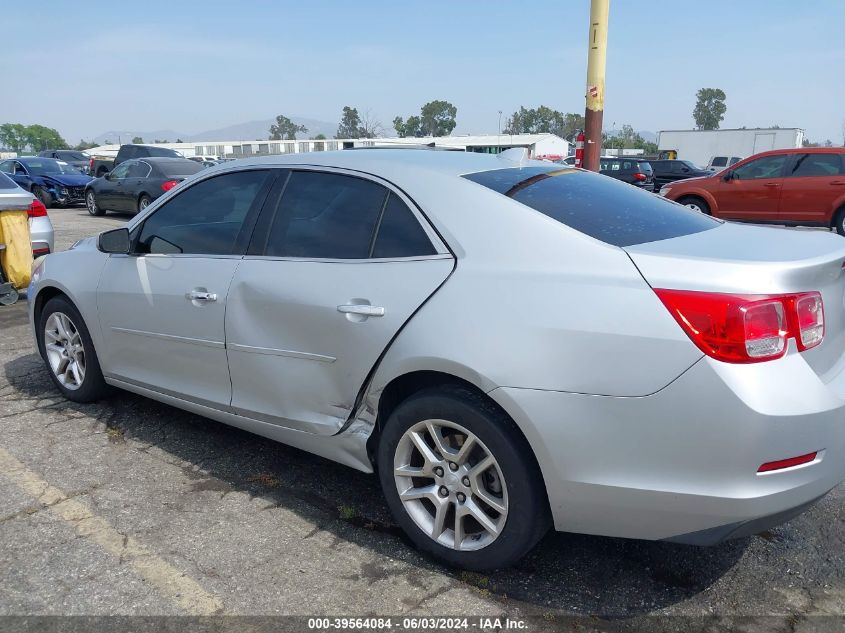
362, 309
200, 295
773, 184
838, 182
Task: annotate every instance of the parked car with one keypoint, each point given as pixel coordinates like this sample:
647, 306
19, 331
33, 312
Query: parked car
666, 171
78, 159
787, 186
100, 165
40, 228
634, 171
53, 182
718, 163
511, 345
134, 184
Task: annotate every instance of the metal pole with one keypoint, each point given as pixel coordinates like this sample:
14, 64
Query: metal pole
596, 58
499, 137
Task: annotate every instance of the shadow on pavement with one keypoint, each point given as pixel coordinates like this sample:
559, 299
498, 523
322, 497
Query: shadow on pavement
574, 573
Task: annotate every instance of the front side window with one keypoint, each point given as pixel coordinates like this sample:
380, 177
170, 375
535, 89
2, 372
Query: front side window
603, 208
766, 167
205, 219
817, 165
326, 216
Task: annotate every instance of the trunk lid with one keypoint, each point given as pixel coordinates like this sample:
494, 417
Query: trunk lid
742, 259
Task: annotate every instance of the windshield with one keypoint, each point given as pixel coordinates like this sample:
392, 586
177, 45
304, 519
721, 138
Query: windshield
603, 208
47, 166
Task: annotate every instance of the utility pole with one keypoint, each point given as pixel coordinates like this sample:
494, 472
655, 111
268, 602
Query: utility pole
596, 58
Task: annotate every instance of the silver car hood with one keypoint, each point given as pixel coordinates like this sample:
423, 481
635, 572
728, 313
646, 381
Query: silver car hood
745, 259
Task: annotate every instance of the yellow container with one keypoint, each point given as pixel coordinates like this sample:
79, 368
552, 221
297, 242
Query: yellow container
16, 258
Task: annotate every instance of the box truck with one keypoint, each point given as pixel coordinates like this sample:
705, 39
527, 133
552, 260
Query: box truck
728, 146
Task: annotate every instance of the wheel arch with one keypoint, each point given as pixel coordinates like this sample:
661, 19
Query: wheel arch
704, 195
838, 208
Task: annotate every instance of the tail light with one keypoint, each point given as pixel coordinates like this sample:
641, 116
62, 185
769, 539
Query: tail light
788, 463
640, 177
91, 166
167, 186
747, 328
37, 209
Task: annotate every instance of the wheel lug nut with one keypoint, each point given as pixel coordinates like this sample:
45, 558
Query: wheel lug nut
465, 481
438, 471
461, 497
444, 491
453, 466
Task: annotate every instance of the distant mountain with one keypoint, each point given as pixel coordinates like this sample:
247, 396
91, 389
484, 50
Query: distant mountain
251, 130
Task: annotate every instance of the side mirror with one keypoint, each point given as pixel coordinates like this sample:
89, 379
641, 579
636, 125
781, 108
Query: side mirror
107, 175
729, 175
114, 241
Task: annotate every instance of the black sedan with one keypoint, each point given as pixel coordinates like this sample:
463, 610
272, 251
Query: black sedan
72, 157
666, 171
134, 184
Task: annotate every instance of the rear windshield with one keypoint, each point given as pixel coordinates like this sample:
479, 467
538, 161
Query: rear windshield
183, 167
603, 208
6, 182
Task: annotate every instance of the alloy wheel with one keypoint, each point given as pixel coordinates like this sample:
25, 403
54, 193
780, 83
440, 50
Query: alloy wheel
65, 351
694, 206
451, 485
91, 203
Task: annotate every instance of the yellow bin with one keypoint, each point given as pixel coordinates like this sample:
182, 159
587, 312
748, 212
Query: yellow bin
16, 258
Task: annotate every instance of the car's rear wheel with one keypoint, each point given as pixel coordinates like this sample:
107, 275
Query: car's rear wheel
839, 221
67, 349
696, 204
143, 202
461, 480
91, 203
42, 195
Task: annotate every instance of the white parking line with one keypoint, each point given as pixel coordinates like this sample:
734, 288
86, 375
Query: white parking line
172, 583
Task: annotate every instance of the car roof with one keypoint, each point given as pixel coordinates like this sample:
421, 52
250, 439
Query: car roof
802, 150
26, 159
162, 160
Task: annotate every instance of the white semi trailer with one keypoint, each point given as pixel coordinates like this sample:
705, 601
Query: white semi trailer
700, 146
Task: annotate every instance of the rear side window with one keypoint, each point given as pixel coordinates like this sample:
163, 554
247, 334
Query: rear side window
603, 208
645, 168
205, 219
399, 233
326, 216
817, 165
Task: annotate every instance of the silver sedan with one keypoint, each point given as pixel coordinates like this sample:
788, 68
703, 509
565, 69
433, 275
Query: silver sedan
510, 344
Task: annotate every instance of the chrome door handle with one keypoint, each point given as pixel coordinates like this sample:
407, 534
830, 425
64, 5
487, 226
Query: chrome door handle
772, 184
362, 309
199, 295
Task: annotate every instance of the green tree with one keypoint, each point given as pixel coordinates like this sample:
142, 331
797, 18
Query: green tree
544, 120
408, 128
709, 108
138, 140
319, 137
83, 145
437, 118
350, 123
13, 136
40, 137
285, 129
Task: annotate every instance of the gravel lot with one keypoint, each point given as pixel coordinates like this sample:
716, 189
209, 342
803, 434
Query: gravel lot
130, 507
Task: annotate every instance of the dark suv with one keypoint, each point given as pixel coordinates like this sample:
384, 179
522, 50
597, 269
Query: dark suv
666, 171
632, 170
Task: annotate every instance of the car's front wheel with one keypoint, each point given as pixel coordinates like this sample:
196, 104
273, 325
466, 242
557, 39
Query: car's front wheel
68, 351
91, 203
460, 479
696, 204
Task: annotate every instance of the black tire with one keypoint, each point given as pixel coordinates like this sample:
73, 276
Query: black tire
527, 518
696, 203
92, 205
93, 387
44, 196
143, 202
839, 221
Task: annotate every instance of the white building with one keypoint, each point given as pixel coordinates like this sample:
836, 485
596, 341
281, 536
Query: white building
538, 145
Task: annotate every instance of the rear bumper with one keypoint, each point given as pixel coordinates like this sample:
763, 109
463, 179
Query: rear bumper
681, 464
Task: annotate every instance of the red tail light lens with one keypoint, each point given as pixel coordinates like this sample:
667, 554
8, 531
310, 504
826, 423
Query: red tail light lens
37, 209
167, 186
640, 177
787, 463
746, 328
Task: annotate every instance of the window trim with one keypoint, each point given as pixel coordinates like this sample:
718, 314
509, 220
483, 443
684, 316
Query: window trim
241, 239
256, 250
798, 155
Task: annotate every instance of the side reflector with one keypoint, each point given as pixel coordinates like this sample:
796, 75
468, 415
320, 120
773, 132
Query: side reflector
787, 463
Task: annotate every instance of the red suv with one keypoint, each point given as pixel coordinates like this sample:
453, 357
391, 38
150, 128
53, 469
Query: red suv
788, 186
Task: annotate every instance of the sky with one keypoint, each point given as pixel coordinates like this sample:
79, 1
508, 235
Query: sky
192, 65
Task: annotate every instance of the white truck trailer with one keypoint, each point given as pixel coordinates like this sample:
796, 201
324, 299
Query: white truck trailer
699, 146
